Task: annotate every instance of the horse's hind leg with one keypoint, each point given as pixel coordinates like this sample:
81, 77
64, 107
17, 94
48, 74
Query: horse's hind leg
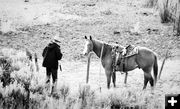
145, 81
148, 77
125, 79
114, 78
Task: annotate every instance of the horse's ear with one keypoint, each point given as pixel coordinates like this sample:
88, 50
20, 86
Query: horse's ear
90, 37
85, 37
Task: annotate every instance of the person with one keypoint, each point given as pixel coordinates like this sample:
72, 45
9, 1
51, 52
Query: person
51, 54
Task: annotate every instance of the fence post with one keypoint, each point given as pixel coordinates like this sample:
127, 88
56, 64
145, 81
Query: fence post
36, 62
88, 66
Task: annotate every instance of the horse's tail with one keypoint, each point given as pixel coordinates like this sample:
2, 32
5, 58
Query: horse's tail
155, 68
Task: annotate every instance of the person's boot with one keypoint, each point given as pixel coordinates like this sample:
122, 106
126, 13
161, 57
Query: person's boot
54, 87
47, 85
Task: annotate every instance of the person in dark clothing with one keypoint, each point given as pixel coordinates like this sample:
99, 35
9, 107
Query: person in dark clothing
51, 54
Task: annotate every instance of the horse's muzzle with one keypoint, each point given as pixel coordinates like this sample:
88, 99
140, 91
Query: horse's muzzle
85, 53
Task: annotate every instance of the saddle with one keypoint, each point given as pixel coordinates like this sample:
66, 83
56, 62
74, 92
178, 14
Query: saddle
120, 53
130, 50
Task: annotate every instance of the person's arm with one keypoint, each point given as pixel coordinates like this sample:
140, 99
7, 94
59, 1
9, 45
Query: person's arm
59, 54
44, 51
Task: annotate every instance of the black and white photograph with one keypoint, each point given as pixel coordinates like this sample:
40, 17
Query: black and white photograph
89, 54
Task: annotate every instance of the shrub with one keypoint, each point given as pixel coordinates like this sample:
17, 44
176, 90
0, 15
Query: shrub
64, 91
177, 20
70, 102
13, 96
178, 26
169, 12
106, 12
5, 72
86, 96
164, 11
150, 3
27, 91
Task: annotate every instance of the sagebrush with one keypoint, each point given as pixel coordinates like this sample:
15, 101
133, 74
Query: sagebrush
28, 91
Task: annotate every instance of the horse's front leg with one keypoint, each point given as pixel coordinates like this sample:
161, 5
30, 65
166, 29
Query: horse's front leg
125, 79
114, 78
108, 75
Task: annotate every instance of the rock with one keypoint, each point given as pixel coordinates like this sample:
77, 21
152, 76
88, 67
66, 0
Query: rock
116, 32
150, 31
26, 0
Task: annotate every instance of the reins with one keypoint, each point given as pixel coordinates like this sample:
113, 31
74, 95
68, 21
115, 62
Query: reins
100, 66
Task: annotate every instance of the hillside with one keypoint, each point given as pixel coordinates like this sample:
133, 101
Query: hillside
33, 24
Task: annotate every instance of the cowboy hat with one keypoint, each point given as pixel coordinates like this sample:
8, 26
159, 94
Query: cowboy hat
56, 39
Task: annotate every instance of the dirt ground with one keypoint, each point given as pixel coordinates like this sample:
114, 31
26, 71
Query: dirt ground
32, 24
74, 73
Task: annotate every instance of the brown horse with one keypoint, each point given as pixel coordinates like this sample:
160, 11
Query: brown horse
145, 59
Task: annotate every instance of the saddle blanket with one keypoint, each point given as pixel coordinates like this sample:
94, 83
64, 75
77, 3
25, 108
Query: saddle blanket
125, 51
130, 50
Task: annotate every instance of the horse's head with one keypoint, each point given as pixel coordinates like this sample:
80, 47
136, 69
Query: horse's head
88, 48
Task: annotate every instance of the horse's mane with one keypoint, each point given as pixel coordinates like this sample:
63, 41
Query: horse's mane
108, 44
96, 40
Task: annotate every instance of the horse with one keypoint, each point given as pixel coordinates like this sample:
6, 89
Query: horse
146, 60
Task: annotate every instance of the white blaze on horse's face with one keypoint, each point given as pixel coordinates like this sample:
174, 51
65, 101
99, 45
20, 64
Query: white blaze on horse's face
88, 47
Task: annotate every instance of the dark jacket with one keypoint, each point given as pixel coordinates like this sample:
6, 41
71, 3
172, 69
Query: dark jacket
51, 54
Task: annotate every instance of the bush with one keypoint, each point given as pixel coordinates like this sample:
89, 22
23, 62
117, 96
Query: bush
86, 96
27, 91
177, 21
178, 26
151, 3
169, 12
5, 72
16, 80
13, 96
64, 91
164, 11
